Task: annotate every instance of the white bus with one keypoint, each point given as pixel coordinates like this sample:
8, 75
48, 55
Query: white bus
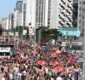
6, 51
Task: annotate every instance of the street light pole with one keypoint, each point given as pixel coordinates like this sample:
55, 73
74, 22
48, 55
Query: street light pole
22, 33
39, 37
30, 33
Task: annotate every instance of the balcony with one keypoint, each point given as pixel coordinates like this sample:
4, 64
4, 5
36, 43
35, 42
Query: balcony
62, 6
61, 23
68, 24
63, 13
63, 2
68, 12
61, 18
69, 0
68, 18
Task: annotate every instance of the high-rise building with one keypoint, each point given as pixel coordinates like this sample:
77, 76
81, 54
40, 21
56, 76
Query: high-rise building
41, 13
19, 19
35, 12
60, 13
81, 13
19, 5
75, 13
11, 21
15, 19
24, 12
4, 23
52, 13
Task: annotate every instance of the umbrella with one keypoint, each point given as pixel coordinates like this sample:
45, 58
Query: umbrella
72, 61
55, 63
58, 69
5, 60
80, 60
58, 52
64, 56
63, 73
76, 57
60, 62
41, 62
30, 60
17, 58
54, 49
23, 59
44, 54
53, 55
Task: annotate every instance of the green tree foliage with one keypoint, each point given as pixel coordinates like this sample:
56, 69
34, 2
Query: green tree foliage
43, 33
1, 30
20, 30
54, 33
47, 34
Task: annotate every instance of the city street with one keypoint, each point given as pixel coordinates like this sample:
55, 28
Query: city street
42, 40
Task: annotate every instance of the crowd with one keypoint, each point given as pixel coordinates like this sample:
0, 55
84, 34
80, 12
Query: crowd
41, 63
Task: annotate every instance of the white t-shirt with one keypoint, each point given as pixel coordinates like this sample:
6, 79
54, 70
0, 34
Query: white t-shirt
59, 78
3, 78
11, 76
76, 70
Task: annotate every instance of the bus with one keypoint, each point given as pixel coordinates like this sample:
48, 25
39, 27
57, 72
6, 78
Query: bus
6, 51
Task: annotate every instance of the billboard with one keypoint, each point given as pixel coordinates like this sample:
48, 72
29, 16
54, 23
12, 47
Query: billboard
70, 32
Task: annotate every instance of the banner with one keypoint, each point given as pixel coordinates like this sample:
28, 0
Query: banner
31, 31
24, 32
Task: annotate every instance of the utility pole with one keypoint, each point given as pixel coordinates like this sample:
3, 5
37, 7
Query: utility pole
35, 38
30, 33
39, 37
22, 33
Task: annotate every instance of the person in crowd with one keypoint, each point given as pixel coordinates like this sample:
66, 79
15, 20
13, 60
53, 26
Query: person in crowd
21, 69
59, 76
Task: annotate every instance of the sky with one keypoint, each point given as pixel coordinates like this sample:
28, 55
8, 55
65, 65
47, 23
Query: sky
6, 7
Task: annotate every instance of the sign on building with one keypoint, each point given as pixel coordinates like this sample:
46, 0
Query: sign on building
24, 32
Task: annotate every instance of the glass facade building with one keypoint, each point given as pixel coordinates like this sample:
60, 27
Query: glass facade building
19, 6
75, 13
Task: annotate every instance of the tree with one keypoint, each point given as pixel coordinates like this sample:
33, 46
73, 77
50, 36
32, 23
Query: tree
54, 34
1, 30
44, 35
47, 34
20, 29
